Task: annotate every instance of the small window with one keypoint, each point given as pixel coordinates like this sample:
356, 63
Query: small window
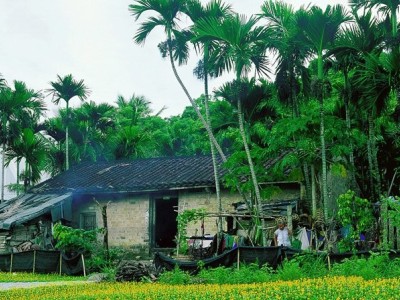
88, 221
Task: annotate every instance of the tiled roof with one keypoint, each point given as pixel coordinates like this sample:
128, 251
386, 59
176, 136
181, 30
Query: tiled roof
133, 175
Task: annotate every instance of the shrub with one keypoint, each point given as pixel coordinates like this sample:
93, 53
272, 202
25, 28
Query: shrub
176, 276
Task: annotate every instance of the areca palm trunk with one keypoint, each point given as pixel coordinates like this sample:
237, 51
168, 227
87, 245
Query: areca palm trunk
323, 159
313, 192
325, 199
258, 204
214, 161
308, 184
66, 139
2, 172
195, 107
374, 157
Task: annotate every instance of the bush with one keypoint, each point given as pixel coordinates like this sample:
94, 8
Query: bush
176, 276
378, 265
72, 240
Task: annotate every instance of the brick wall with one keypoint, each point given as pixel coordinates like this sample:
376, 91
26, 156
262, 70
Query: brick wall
207, 201
128, 220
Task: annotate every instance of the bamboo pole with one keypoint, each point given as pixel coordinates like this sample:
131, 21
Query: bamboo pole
83, 264
34, 262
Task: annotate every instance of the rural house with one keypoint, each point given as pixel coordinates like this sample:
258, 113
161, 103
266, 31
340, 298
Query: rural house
140, 198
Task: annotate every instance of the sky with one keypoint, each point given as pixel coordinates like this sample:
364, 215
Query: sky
93, 41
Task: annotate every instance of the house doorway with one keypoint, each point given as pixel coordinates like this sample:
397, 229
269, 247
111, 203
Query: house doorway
165, 224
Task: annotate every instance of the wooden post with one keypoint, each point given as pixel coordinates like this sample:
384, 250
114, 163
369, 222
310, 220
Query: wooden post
34, 261
11, 262
60, 261
329, 262
83, 264
238, 259
289, 217
385, 224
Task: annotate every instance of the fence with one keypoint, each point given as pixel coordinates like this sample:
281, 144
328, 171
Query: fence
42, 261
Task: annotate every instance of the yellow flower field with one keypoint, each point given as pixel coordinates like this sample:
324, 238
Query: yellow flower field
322, 288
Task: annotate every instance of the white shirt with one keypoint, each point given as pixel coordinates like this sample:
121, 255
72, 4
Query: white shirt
282, 236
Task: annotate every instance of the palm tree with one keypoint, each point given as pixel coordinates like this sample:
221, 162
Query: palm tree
66, 88
132, 110
92, 126
20, 107
32, 148
358, 40
389, 10
168, 13
291, 55
241, 45
320, 29
196, 11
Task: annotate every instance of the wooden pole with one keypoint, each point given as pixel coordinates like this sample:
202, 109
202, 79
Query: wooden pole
238, 259
83, 264
60, 261
34, 261
289, 217
329, 262
11, 262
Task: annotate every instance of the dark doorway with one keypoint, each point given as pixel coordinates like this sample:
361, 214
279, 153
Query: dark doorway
165, 225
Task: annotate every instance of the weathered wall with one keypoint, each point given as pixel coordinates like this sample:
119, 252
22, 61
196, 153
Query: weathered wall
127, 221
208, 202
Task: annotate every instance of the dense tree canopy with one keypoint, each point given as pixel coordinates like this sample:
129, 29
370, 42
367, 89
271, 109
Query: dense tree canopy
315, 97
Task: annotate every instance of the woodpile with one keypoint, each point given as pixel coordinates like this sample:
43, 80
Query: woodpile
130, 270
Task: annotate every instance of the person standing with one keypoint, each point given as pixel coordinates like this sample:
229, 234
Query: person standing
282, 235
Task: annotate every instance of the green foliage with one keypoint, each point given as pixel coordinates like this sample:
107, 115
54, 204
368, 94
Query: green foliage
378, 265
74, 240
183, 219
393, 210
105, 261
302, 266
176, 276
356, 213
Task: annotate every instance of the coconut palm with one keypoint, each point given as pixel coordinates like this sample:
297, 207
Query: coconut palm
241, 46
320, 29
167, 16
66, 88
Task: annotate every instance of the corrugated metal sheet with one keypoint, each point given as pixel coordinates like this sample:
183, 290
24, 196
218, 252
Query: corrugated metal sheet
28, 207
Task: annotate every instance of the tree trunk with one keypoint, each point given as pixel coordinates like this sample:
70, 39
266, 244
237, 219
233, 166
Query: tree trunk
325, 199
258, 203
353, 184
66, 140
105, 224
2, 172
199, 115
18, 162
374, 156
308, 184
313, 192
214, 160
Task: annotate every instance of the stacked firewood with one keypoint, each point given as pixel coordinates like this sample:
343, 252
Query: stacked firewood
130, 270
